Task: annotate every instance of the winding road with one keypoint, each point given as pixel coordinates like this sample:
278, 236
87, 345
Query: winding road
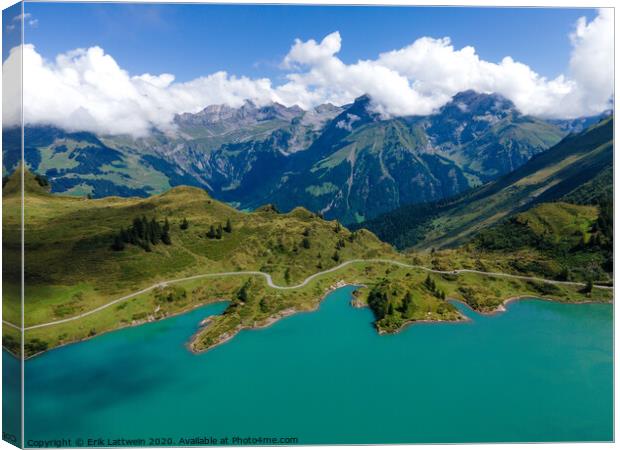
271, 284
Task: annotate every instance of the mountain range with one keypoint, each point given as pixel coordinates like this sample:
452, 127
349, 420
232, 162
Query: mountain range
345, 162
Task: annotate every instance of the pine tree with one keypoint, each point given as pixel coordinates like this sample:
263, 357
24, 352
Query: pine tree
145, 229
133, 236
430, 284
228, 226
165, 237
211, 232
218, 233
287, 275
138, 228
305, 243
184, 224
118, 244
336, 256
155, 232
407, 300
242, 294
165, 233
124, 235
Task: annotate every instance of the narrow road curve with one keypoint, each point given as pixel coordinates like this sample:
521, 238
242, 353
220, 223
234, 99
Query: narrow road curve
271, 284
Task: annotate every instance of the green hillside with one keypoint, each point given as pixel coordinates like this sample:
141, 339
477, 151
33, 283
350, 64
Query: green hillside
74, 262
559, 240
575, 168
94, 265
69, 243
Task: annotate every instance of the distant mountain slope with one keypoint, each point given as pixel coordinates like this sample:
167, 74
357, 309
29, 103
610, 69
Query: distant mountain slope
347, 162
362, 164
375, 168
486, 134
577, 167
83, 164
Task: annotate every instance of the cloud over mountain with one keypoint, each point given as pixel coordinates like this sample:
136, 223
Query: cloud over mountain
86, 89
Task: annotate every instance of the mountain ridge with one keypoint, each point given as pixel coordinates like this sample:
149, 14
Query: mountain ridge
327, 159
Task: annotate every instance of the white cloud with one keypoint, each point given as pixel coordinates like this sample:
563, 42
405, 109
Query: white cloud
19, 17
11, 82
27, 18
86, 89
591, 62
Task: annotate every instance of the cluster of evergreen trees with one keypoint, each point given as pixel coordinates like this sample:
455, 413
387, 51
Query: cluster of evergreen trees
603, 229
429, 284
380, 304
242, 293
216, 232
143, 233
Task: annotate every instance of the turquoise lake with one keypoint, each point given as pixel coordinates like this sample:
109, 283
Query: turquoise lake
541, 371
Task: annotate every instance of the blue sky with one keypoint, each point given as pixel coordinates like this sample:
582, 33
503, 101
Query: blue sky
11, 30
114, 72
194, 40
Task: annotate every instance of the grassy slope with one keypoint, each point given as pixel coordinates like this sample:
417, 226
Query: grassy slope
68, 245
71, 269
82, 164
551, 240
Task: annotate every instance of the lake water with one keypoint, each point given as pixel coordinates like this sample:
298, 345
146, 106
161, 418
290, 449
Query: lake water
539, 372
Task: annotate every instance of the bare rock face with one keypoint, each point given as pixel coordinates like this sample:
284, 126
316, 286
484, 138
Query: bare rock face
225, 118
